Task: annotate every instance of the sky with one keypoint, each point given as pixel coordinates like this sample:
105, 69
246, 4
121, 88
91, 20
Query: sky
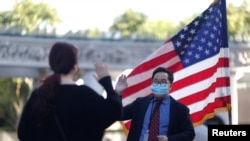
88, 14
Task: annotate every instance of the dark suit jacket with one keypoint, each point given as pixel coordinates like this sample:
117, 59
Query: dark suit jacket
180, 125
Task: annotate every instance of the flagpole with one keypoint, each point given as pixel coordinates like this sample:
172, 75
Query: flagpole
230, 115
225, 28
229, 109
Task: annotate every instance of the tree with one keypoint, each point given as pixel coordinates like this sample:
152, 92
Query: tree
239, 21
13, 93
128, 23
94, 33
28, 15
186, 21
156, 29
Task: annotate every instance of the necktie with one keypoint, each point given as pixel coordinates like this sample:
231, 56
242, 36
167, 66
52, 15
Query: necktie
154, 123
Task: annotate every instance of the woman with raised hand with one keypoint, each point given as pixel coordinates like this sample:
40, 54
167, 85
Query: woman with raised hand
60, 110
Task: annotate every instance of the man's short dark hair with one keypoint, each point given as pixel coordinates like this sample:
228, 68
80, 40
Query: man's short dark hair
162, 69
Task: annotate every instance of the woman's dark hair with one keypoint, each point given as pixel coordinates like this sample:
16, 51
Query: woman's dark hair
162, 69
62, 58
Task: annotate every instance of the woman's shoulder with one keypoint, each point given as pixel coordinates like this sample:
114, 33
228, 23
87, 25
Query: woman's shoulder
76, 89
71, 86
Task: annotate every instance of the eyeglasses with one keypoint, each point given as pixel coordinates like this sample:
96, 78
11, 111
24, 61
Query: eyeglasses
163, 81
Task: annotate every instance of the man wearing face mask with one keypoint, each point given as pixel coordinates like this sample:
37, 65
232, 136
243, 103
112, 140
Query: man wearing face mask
174, 118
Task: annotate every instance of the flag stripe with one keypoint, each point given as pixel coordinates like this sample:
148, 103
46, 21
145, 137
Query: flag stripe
200, 95
164, 53
196, 86
210, 108
199, 105
203, 65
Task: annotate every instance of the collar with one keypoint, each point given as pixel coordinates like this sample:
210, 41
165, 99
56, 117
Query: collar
164, 100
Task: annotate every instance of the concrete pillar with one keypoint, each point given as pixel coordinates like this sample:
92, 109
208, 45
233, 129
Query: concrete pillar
89, 80
234, 96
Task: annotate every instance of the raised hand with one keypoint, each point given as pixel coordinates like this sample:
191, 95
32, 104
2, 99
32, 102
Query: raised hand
121, 84
101, 70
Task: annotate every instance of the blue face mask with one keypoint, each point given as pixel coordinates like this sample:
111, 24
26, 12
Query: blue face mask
159, 89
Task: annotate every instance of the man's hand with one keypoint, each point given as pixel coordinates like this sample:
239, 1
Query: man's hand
162, 138
121, 84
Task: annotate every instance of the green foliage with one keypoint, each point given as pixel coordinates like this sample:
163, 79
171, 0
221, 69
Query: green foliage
238, 21
94, 33
186, 21
5, 17
132, 22
13, 93
28, 15
157, 29
128, 23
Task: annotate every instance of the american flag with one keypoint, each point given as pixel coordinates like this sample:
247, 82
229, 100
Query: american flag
199, 57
